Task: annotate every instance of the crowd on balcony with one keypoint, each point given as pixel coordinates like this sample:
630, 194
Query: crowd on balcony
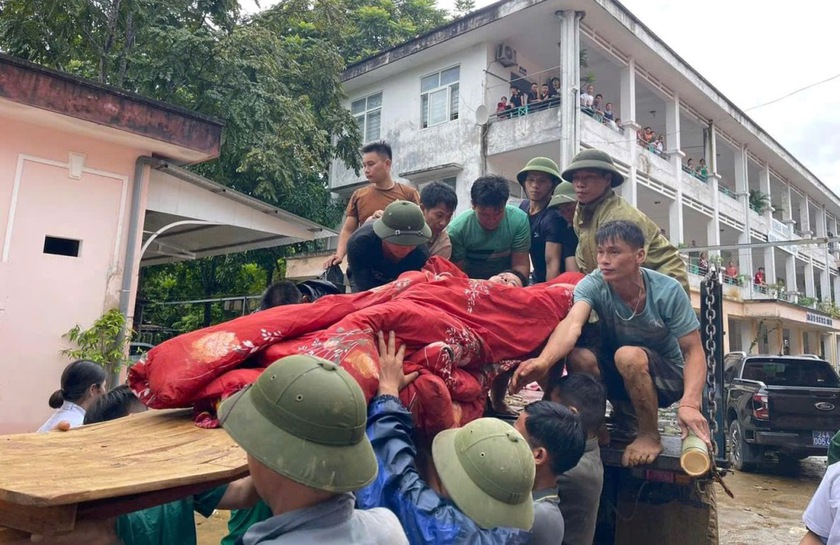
700, 171
593, 105
647, 138
537, 99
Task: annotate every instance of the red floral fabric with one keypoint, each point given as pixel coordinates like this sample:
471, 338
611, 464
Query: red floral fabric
460, 333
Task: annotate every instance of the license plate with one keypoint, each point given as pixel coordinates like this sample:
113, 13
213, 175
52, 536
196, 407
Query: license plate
822, 438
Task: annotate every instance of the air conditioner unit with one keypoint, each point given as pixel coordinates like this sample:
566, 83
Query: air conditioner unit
506, 55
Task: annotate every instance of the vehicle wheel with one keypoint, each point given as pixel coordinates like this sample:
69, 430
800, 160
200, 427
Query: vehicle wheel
742, 455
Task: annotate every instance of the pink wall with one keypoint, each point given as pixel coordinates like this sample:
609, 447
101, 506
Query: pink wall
41, 295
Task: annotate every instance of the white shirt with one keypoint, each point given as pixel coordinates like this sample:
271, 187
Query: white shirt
586, 100
69, 412
821, 514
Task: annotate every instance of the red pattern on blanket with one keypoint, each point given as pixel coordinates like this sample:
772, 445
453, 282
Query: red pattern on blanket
460, 334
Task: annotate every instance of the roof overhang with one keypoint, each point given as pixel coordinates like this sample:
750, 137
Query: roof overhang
789, 314
189, 216
38, 95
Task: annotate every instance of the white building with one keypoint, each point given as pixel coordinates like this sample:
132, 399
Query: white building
434, 100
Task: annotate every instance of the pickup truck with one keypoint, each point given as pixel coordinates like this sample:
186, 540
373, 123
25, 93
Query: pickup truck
785, 405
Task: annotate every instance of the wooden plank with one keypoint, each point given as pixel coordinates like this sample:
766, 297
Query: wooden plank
38, 520
146, 452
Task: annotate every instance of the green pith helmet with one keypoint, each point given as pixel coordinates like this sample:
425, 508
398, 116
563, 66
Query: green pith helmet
597, 160
488, 469
403, 223
564, 193
540, 164
304, 418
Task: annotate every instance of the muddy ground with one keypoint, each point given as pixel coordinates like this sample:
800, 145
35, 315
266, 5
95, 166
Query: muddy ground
767, 508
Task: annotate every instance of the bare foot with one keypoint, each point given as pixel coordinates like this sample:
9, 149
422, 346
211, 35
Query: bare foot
643, 450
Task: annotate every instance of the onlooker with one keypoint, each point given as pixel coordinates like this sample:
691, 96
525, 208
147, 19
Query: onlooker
501, 107
554, 92
438, 202
382, 191
564, 200
470, 501
545, 95
652, 356
588, 97
703, 263
539, 178
820, 517
594, 176
516, 98
493, 236
580, 487
116, 403
608, 112
689, 165
660, 144
378, 253
325, 455
618, 123
702, 170
534, 94
279, 293
557, 439
731, 270
82, 382
759, 278
598, 104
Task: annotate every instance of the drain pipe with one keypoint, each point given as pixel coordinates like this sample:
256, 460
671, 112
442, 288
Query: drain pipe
134, 222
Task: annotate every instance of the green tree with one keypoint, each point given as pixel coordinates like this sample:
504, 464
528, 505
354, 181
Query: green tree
463, 7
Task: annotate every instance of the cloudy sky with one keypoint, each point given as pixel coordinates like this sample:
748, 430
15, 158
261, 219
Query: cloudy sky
754, 52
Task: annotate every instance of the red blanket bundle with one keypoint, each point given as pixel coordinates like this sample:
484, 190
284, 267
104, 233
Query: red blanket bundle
460, 333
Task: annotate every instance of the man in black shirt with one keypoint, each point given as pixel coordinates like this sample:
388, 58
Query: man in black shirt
539, 178
378, 253
564, 200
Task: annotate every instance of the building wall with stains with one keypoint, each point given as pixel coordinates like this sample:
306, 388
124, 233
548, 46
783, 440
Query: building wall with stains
60, 193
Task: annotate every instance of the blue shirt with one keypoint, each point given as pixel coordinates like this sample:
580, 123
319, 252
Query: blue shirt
427, 518
666, 316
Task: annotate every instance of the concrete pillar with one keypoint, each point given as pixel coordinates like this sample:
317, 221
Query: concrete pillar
713, 226
810, 288
837, 292
795, 341
674, 146
764, 186
774, 337
804, 218
790, 274
628, 95
569, 83
742, 190
748, 333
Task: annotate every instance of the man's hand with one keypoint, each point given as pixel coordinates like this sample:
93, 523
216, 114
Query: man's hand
63, 425
691, 418
375, 216
527, 372
391, 377
334, 259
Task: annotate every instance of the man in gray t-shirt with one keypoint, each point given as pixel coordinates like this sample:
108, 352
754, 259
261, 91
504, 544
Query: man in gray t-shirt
650, 353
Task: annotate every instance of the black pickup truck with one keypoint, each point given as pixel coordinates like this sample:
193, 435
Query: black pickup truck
786, 405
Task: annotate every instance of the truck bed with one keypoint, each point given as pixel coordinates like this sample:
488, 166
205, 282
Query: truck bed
669, 460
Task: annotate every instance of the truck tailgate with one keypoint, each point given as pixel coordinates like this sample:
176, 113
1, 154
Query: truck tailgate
799, 408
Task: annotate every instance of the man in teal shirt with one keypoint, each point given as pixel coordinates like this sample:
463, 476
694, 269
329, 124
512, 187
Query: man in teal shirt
493, 236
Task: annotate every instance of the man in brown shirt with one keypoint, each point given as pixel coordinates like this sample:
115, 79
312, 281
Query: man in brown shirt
365, 202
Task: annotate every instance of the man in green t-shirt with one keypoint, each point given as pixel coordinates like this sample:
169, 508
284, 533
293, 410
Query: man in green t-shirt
493, 236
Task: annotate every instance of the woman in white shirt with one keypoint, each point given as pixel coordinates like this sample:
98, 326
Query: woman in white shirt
82, 382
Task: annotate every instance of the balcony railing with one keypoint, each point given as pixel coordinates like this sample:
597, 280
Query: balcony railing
697, 174
597, 116
511, 113
726, 191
